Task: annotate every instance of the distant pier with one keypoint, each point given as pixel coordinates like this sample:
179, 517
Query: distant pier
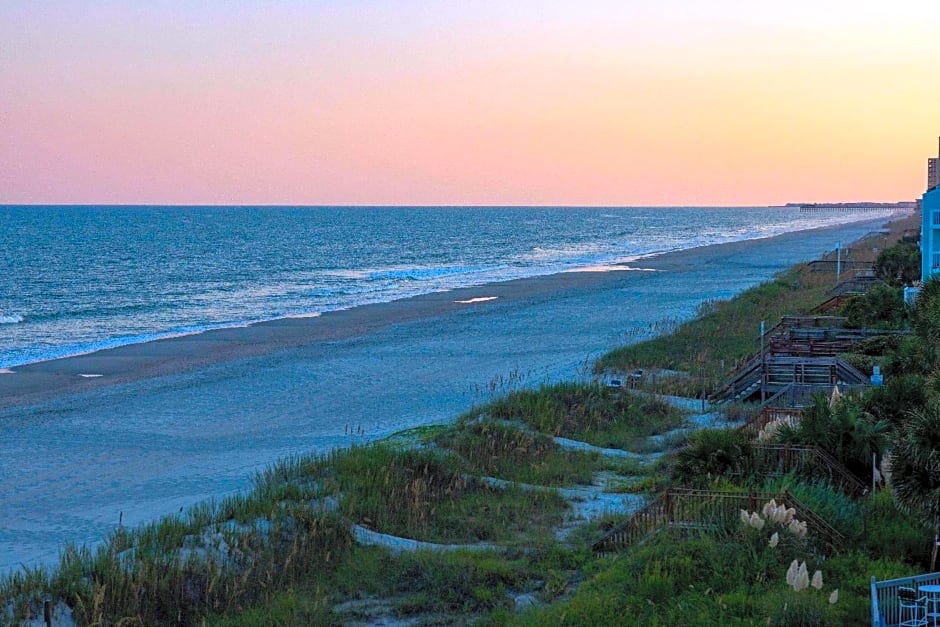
853, 207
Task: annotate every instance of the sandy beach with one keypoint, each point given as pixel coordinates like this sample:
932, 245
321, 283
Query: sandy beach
165, 424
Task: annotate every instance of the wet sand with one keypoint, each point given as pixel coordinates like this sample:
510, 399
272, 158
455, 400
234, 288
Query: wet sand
175, 421
41, 381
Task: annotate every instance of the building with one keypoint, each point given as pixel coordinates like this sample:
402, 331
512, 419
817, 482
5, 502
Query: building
930, 233
930, 221
933, 171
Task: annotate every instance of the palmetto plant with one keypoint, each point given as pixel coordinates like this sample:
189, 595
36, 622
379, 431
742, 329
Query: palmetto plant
843, 428
915, 467
925, 318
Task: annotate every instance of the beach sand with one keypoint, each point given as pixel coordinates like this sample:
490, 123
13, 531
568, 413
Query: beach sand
171, 422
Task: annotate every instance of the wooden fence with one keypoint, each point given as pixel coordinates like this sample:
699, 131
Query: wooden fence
710, 511
812, 461
777, 459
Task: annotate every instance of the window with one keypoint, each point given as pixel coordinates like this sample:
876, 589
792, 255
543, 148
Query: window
936, 218
936, 261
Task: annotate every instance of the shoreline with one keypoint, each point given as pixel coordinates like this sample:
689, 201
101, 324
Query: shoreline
622, 263
40, 381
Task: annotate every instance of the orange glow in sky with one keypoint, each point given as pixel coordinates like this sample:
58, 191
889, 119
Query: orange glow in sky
560, 103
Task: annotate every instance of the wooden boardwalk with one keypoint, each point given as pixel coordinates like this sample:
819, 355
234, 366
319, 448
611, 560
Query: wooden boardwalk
799, 351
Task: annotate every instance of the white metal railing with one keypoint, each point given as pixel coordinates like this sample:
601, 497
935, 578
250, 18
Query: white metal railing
884, 597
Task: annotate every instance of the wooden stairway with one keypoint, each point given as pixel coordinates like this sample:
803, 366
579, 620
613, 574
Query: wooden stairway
776, 372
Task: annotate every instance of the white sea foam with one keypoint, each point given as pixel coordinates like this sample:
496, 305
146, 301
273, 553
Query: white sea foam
540, 254
479, 299
427, 273
610, 268
11, 319
90, 376
5, 371
312, 314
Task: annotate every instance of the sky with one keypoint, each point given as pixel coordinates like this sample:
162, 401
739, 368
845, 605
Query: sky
623, 102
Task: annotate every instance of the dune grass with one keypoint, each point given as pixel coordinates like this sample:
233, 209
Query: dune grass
419, 497
723, 331
424, 495
163, 574
495, 449
588, 412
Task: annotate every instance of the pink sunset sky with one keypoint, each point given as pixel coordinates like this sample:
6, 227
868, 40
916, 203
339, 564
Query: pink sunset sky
563, 103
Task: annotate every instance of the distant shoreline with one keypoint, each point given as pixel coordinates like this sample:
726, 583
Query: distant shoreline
44, 380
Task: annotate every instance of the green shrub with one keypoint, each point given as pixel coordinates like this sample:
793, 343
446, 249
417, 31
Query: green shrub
712, 453
899, 395
892, 535
845, 429
844, 513
881, 308
899, 264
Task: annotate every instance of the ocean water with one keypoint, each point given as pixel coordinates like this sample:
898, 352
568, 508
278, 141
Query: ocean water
79, 279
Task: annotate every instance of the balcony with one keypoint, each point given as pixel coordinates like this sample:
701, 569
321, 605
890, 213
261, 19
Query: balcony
884, 597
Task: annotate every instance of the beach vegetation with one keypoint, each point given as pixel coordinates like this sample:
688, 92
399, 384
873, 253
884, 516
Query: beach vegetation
700, 579
899, 395
127, 581
915, 467
588, 412
882, 307
423, 495
844, 428
899, 264
709, 347
460, 511
712, 453
506, 451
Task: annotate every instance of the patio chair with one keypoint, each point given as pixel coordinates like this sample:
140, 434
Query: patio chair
912, 609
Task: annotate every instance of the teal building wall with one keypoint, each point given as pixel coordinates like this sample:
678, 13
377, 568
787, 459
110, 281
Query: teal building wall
930, 234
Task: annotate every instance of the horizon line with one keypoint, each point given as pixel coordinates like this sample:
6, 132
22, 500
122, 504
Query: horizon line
455, 206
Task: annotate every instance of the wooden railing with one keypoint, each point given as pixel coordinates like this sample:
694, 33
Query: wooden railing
834, 303
801, 336
790, 373
784, 458
770, 459
831, 537
786, 415
884, 597
709, 511
811, 347
642, 522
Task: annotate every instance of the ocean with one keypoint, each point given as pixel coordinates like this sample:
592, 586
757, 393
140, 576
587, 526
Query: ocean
75, 279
